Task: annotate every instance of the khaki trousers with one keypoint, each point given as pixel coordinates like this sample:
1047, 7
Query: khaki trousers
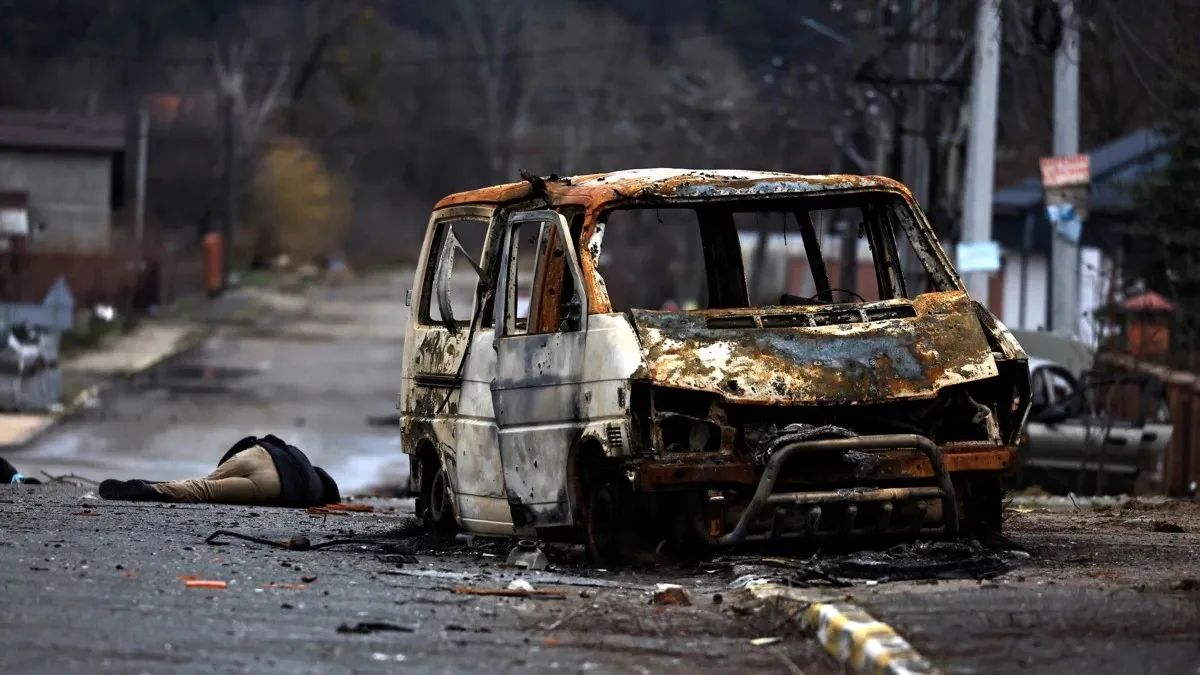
248, 477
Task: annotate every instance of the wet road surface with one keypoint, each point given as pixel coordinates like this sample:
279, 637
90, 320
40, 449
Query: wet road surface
94, 586
311, 373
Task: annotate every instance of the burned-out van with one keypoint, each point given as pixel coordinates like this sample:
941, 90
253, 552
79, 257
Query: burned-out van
720, 356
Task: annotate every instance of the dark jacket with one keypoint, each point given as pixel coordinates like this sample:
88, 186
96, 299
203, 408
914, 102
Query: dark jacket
300, 483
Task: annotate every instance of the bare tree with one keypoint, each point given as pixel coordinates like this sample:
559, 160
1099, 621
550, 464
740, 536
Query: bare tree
491, 35
250, 109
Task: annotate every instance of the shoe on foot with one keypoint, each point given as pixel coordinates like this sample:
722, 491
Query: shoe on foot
129, 491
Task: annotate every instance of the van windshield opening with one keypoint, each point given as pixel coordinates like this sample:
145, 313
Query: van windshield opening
819, 250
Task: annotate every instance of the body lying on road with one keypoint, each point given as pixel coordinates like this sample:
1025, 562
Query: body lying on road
257, 471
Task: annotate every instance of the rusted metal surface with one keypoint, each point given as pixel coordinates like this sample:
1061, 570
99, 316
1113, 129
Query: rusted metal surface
568, 387
651, 184
838, 364
786, 449
598, 193
1181, 461
896, 465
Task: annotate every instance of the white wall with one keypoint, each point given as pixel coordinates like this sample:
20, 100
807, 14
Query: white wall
1095, 272
1035, 290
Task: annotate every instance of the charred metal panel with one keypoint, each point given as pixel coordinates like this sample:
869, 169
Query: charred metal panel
552, 390
854, 363
446, 402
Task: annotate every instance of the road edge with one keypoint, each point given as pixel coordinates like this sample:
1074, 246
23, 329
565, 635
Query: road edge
192, 337
858, 641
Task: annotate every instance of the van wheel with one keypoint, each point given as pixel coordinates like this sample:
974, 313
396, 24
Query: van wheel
983, 507
439, 516
605, 522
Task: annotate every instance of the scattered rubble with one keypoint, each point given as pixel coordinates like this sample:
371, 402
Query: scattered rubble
368, 627
206, 583
519, 585
670, 594
511, 592
526, 555
911, 561
764, 641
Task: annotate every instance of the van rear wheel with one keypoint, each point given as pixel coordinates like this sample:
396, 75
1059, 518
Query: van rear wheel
439, 514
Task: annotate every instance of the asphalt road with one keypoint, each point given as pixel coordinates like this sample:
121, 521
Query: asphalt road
309, 368
95, 586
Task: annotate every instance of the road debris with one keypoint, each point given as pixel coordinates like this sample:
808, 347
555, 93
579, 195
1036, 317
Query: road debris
299, 542
340, 509
510, 592
527, 556
906, 562
368, 627
670, 594
520, 585
206, 583
1166, 526
764, 641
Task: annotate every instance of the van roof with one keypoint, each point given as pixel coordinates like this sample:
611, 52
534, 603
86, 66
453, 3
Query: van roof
656, 184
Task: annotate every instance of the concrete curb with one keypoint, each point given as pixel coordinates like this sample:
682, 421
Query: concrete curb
193, 337
856, 639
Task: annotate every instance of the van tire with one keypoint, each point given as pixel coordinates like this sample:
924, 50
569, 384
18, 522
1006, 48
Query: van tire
983, 507
439, 515
606, 522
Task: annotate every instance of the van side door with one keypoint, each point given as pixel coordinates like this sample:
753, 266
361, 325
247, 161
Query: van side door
541, 328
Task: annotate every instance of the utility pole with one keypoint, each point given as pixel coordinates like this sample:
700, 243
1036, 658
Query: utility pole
139, 216
981, 141
1064, 255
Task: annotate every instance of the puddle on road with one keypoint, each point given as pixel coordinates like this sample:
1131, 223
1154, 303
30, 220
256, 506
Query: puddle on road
375, 461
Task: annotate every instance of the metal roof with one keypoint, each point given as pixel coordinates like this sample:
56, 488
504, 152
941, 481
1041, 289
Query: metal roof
1116, 166
651, 184
61, 131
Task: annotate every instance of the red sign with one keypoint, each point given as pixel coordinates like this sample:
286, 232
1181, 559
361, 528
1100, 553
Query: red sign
1066, 171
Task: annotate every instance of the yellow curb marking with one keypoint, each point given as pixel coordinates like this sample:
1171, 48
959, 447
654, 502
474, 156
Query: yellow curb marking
863, 642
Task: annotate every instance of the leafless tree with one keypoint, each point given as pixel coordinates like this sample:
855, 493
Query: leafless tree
250, 109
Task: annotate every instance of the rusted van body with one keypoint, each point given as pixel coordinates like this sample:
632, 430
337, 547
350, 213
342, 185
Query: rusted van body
536, 400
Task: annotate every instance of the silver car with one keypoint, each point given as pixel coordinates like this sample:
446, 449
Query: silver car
1098, 433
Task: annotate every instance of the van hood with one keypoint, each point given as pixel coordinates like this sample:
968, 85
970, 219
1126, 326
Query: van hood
830, 354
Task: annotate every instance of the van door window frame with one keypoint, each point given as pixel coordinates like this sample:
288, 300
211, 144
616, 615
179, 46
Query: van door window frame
556, 225
428, 294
